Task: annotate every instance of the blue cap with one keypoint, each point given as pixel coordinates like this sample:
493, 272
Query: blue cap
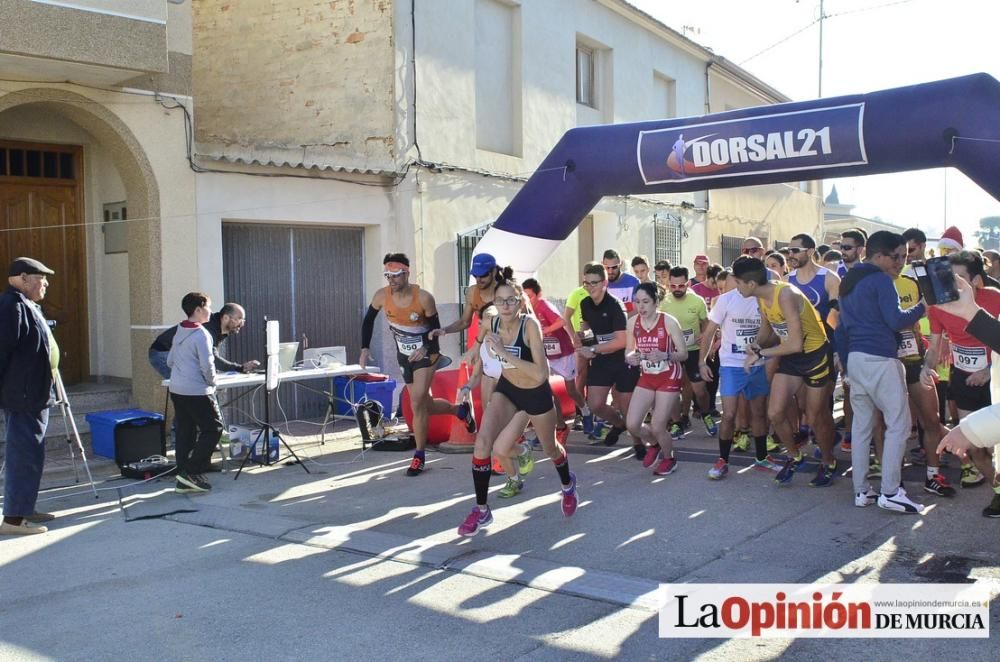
482, 265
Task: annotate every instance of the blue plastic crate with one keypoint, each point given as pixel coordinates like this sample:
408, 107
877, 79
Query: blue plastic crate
348, 392
104, 423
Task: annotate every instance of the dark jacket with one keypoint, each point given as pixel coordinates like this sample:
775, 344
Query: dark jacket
25, 371
870, 315
165, 341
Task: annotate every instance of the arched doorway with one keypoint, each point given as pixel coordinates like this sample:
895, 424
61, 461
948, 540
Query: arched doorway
43, 217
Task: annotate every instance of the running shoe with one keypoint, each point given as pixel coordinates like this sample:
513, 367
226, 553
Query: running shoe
588, 422
772, 444
600, 432
570, 498
477, 519
416, 466
786, 473
993, 510
710, 425
525, 462
718, 470
652, 452
741, 442
899, 502
824, 475
497, 468
939, 485
562, 435
191, 484
611, 438
845, 445
511, 488
866, 498
675, 431
667, 466
767, 464
971, 477
639, 451
874, 469
465, 414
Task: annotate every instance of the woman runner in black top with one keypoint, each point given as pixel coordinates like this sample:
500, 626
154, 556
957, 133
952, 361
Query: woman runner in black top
523, 386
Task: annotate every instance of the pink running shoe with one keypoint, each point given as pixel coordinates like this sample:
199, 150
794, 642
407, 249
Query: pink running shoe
667, 466
570, 499
477, 519
652, 452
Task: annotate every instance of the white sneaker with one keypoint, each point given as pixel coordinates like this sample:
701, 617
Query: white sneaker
899, 502
866, 498
25, 528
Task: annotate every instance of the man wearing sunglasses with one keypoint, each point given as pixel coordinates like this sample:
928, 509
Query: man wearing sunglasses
754, 247
867, 342
818, 284
412, 316
620, 285
852, 247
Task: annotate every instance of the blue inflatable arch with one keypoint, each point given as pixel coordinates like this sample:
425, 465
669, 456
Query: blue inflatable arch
909, 128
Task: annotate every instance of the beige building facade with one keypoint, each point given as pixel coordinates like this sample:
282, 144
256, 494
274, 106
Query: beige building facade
92, 131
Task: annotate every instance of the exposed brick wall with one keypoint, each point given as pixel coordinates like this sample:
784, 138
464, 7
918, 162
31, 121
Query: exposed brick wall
296, 74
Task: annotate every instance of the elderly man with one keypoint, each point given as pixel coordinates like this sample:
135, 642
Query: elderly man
29, 357
227, 322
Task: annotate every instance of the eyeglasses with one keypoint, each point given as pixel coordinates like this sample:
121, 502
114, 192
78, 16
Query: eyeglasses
751, 251
794, 250
509, 301
592, 283
896, 257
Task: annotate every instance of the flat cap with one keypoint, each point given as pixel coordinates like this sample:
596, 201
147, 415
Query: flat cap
28, 265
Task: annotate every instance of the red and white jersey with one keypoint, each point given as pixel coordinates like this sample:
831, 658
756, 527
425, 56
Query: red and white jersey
656, 338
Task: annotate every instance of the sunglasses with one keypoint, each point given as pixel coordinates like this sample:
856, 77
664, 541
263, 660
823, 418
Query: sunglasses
894, 256
751, 251
795, 250
616, 267
393, 274
847, 247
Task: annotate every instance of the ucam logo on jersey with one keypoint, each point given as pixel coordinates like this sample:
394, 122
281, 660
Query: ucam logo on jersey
783, 142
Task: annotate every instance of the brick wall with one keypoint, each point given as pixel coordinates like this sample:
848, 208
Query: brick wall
316, 76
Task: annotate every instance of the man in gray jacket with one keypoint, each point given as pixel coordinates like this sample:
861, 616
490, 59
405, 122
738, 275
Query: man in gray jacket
192, 390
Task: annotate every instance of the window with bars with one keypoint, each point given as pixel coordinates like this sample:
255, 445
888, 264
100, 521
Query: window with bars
732, 248
667, 234
36, 163
466, 243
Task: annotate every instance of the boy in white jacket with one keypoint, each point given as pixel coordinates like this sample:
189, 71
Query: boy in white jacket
192, 390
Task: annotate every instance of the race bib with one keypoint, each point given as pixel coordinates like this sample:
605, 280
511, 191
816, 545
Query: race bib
907, 345
606, 337
653, 367
552, 346
970, 359
409, 344
742, 341
780, 328
688, 337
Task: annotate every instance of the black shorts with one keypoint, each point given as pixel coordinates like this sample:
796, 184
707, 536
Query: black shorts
622, 376
968, 398
532, 401
813, 367
691, 366
408, 368
912, 372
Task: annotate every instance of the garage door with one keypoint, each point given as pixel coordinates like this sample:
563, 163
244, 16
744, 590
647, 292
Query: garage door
308, 278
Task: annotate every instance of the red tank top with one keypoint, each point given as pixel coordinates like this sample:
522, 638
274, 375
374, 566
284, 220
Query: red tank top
656, 338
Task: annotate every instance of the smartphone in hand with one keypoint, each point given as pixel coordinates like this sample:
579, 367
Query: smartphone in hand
936, 280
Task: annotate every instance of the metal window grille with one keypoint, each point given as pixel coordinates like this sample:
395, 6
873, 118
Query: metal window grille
667, 233
732, 248
466, 243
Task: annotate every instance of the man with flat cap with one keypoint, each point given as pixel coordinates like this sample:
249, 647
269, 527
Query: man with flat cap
28, 358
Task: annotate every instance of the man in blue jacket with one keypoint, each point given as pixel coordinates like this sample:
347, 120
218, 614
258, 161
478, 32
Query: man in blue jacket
870, 317
28, 357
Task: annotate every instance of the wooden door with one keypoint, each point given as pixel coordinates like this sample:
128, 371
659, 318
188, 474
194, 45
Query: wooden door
40, 218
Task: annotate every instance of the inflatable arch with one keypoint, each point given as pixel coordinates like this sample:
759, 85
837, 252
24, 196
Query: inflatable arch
909, 128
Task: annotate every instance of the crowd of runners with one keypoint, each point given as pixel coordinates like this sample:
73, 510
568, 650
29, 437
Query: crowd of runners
753, 351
